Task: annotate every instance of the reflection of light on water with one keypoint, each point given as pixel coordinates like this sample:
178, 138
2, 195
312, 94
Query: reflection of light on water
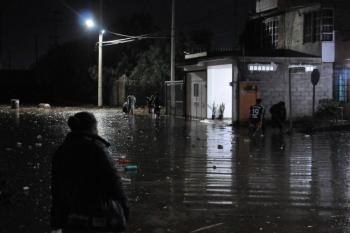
300, 171
17, 117
219, 166
102, 122
208, 169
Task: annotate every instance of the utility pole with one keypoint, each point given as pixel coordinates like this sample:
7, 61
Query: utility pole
1, 36
235, 24
36, 49
290, 98
172, 61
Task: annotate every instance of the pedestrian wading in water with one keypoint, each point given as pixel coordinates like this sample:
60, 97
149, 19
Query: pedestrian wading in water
87, 194
256, 118
278, 116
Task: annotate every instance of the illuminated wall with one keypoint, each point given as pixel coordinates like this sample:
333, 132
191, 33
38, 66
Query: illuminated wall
219, 89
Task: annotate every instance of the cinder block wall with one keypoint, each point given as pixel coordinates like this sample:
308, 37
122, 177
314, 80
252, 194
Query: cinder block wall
273, 87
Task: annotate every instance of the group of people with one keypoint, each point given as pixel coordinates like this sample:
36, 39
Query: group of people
154, 104
257, 117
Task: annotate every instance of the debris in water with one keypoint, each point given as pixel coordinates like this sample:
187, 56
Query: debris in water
207, 227
130, 167
123, 161
126, 179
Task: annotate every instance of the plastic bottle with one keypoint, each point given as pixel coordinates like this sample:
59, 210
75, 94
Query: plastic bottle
130, 167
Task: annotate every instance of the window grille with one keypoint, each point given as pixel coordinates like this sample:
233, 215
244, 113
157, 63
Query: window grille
318, 26
271, 32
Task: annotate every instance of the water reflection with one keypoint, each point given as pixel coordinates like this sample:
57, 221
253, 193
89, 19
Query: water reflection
219, 165
278, 183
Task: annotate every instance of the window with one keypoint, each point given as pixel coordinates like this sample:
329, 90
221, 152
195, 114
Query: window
327, 25
312, 23
271, 32
342, 85
318, 26
308, 28
196, 90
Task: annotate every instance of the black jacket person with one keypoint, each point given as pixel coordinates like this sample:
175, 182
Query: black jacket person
82, 172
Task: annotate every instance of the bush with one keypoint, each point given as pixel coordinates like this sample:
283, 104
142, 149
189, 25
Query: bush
327, 109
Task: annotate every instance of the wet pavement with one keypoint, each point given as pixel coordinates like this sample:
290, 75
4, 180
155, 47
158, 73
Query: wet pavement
191, 176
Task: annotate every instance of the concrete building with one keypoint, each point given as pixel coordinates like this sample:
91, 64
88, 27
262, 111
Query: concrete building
281, 35
210, 79
314, 27
238, 81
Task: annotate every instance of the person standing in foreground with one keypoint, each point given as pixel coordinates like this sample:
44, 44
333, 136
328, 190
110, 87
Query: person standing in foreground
256, 117
83, 177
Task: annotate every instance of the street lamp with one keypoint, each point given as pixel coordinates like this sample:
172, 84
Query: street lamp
90, 23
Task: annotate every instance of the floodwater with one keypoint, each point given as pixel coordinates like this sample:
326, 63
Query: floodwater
191, 177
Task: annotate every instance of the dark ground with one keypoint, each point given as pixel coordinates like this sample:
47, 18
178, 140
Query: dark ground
282, 184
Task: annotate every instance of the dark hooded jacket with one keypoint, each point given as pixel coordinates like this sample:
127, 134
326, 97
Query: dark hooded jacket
82, 174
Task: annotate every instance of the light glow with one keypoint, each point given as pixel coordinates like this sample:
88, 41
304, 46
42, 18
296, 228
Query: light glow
262, 67
89, 23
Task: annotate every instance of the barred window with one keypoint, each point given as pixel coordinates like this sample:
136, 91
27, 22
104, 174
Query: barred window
327, 25
318, 26
271, 32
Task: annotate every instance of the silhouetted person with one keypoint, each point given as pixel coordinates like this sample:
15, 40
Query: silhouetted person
150, 100
256, 118
278, 115
157, 104
125, 107
83, 177
131, 99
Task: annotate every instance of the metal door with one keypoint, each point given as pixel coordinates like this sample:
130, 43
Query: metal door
199, 99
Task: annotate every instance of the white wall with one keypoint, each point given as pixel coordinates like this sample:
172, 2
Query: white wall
328, 51
265, 5
219, 89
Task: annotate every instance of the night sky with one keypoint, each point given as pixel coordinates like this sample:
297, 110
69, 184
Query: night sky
44, 22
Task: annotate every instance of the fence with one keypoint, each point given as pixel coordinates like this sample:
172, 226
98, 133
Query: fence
176, 109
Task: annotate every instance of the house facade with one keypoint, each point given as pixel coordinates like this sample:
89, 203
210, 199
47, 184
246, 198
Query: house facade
281, 35
314, 27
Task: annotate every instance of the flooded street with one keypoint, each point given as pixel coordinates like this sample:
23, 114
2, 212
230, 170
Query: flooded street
191, 176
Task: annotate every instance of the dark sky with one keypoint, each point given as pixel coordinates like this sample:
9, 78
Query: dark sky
44, 21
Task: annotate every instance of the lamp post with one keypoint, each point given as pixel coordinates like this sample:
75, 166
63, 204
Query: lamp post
89, 23
99, 75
